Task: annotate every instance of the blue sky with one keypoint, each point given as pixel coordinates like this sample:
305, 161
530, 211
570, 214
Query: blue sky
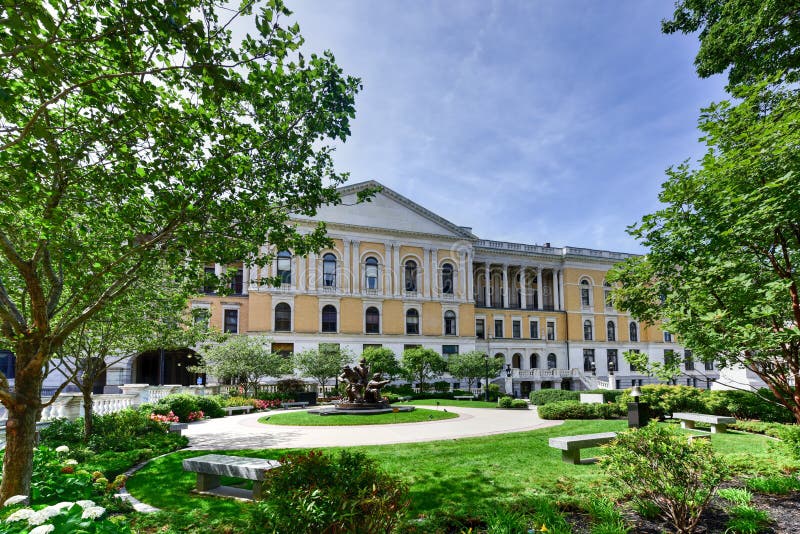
531, 121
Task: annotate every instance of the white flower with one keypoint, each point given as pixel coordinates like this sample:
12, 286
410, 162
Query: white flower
62, 448
85, 504
71, 462
16, 499
37, 518
61, 506
42, 529
92, 512
20, 515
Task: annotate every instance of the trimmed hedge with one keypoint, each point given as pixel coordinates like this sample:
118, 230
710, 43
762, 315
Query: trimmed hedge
572, 409
546, 396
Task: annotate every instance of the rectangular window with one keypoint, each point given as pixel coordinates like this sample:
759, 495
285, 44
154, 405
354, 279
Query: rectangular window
633, 366
688, 360
516, 329
328, 348
588, 360
201, 316
551, 331
371, 346
449, 349
237, 282
231, 322
480, 328
669, 357
284, 349
498, 328
534, 329
667, 337
709, 366
209, 279
612, 359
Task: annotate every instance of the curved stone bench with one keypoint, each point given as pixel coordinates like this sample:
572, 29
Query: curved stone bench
212, 466
571, 445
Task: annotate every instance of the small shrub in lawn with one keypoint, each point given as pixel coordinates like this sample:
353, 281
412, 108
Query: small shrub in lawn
546, 514
665, 400
441, 386
606, 519
519, 404
546, 396
180, 404
747, 405
314, 492
744, 519
776, 485
656, 463
210, 405
790, 435
577, 410
504, 402
737, 496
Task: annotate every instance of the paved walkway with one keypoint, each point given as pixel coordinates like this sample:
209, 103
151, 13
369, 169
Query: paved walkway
245, 432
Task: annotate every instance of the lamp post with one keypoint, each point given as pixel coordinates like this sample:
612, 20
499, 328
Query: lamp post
594, 368
508, 370
486, 384
638, 413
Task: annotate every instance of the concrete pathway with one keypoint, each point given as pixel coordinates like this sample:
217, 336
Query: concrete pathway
245, 432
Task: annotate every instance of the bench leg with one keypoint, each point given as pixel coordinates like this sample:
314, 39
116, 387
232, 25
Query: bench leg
207, 482
687, 425
257, 490
719, 428
571, 457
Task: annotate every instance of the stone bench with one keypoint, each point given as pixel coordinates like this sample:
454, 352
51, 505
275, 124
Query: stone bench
571, 445
178, 428
231, 409
719, 423
298, 404
464, 397
211, 467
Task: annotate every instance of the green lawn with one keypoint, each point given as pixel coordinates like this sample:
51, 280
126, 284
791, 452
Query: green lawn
468, 473
450, 402
310, 419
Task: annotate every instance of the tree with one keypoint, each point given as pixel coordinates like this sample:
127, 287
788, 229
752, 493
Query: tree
471, 366
135, 135
724, 254
756, 40
243, 360
422, 365
382, 360
322, 364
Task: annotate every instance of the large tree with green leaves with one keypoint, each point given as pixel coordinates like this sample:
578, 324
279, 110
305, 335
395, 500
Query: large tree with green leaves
723, 267
382, 360
422, 365
244, 361
135, 135
472, 366
322, 364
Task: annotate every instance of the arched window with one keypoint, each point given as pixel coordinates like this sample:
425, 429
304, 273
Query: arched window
634, 331
516, 361
328, 270
411, 276
283, 317
285, 267
586, 293
449, 323
372, 321
371, 273
412, 321
607, 295
587, 330
329, 318
534, 361
447, 279
611, 331
552, 361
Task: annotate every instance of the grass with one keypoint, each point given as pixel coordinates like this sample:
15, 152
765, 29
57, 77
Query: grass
310, 419
450, 402
464, 474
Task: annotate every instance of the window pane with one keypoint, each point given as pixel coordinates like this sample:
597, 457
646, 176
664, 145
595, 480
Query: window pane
551, 331
329, 318
480, 327
449, 323
231, 325
412, 322
371, 273
498, 328
516, 329
534, 330
447, 279
411, 275
611, 331
283, 317
285, 267
373, 320
329, 270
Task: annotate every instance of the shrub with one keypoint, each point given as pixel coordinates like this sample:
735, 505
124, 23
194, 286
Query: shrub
314, 492
658, 464
211, 406
65, 517
790, 435
665, 400
519, 403
441, 385
504, 402
546, 396
180, 404
776, 485
494, 391
51, 482
290, 385
402, 389
575, 410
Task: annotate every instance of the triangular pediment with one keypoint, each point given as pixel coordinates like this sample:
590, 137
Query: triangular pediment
390, 210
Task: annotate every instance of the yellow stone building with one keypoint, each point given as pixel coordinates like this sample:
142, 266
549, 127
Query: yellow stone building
399, 276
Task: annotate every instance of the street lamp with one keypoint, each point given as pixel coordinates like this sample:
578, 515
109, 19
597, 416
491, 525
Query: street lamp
636, 392
594, 368
508, 370
486, 387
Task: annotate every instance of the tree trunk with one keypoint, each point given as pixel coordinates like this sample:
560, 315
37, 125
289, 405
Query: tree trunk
88, 409
18, 458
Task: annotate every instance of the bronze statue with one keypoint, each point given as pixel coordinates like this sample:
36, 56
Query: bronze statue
360, 388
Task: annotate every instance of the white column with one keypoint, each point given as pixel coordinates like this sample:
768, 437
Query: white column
523, 289
470, 280
387, 270
218, 269
462, 276
486, 292
561, 289
398, 275
345, 276
505, 285
539, 293
434, 272
245, 279
312, 271
427, 272
356, 267
295, 271
301, 273
555, 290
